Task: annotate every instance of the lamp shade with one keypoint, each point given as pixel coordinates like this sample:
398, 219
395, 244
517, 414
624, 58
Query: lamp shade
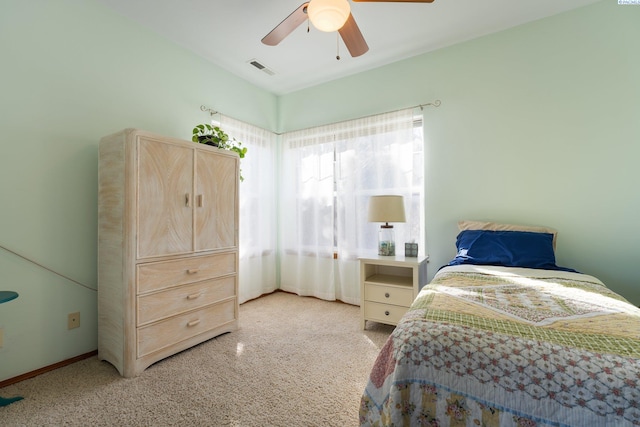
386, 209
328, 15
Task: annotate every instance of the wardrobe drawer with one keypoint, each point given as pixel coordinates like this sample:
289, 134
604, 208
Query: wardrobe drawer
156, 306
178, 328
384, 313
388, 294
159, 275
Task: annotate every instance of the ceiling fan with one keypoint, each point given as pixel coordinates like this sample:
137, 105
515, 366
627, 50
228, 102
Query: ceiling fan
328, 15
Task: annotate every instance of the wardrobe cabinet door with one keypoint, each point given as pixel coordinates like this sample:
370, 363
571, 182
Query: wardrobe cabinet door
216, 201
165, 199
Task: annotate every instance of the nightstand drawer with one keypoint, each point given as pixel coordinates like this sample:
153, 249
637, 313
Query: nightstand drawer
384, 313
388, 294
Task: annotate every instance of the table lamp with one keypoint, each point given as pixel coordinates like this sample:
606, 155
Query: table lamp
386, 209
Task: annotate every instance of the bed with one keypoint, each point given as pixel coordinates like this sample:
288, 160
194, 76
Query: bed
502, 336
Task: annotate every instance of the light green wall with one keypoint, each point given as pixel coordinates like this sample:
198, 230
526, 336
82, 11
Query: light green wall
71, 72
539, 124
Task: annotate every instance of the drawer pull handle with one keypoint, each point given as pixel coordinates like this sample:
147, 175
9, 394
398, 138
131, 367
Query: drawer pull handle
187, 200
193, 296
200, 202
192, 270
386, 295
386, 313
193, 323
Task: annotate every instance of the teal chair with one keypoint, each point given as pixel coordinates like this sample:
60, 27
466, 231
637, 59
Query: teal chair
6, 296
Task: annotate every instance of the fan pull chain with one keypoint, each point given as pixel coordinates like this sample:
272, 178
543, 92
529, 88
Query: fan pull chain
337, 47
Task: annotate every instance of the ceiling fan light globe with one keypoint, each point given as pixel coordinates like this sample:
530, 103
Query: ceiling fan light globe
328, 15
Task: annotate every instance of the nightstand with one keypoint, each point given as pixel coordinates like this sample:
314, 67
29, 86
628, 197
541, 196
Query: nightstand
388, 286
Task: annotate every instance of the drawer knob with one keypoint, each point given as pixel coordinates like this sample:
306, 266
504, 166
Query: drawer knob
192, 271
386, 295
193, 296
193, 323
386, 313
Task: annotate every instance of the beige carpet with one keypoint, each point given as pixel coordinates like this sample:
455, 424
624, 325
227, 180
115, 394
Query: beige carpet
295, 361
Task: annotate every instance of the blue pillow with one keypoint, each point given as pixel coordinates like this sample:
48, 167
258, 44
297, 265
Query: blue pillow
506, 248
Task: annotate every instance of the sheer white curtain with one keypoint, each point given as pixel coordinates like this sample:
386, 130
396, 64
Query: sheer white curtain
258, 221
306, 215
328, 174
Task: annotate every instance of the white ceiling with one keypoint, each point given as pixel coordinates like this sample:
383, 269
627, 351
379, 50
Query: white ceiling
228, 33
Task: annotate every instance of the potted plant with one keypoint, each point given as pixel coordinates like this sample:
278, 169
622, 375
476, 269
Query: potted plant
215, 136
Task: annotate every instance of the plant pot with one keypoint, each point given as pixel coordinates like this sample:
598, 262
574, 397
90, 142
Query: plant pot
206, 140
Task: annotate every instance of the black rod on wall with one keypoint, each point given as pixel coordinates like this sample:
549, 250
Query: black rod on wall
435, 103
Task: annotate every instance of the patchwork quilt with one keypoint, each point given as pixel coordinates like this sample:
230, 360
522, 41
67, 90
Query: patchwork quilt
500, 346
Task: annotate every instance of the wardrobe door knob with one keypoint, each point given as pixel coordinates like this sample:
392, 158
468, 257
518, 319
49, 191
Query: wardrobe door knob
386, 313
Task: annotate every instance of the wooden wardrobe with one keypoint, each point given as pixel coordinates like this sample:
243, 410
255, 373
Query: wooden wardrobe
167, 247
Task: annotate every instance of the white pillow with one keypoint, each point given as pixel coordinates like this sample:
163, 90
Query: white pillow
494, 226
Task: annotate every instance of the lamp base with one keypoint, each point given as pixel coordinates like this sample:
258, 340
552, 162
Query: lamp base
386, 241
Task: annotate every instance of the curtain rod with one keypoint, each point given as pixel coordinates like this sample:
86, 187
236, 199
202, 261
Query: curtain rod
435, 103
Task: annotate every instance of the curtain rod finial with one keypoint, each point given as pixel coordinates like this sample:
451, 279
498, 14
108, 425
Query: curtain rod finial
205, 108
435, 103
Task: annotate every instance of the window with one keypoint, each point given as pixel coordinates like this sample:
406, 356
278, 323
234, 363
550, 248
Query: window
328, 174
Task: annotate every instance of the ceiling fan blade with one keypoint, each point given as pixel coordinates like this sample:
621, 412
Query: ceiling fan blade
285, 28
396, 1
353, 38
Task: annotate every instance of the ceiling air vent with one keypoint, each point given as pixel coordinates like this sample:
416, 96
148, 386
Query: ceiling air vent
260, 66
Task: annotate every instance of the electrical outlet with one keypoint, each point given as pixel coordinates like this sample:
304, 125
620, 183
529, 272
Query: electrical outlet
73, 320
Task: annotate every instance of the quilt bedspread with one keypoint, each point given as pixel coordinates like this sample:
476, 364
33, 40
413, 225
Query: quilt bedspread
498, 346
